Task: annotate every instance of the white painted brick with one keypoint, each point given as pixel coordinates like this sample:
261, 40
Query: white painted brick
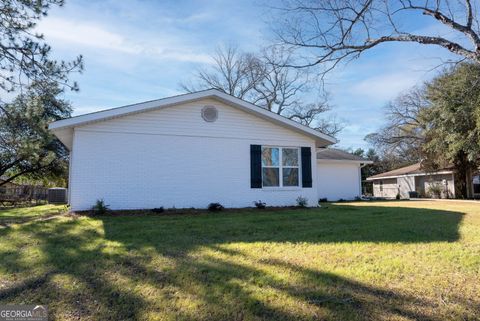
173, 158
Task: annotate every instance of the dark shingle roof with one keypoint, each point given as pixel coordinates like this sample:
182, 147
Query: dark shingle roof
337, 154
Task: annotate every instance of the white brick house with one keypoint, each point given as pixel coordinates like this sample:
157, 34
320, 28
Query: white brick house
188, 151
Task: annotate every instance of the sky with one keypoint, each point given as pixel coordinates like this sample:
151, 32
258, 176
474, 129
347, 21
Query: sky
139, 50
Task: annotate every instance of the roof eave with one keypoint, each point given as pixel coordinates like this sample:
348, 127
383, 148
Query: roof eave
321, 139
322, 160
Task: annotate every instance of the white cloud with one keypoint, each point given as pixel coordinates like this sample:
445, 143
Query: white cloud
385, 87
94, 36
84, 34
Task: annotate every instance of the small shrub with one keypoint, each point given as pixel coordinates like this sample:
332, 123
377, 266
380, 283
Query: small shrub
358, 198
158, 209
341, 200
215, 207
260, 205
100, 208
435, 190
323, 200
397, 197
302, 201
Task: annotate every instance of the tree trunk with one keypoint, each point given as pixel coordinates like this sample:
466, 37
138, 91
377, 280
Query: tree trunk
463, 177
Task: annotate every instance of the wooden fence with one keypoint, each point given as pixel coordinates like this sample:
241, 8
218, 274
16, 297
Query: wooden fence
18, 194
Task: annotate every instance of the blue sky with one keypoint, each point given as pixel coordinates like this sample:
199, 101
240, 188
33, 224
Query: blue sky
141, 50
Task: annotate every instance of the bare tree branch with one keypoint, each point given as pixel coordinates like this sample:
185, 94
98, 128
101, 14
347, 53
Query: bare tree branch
325, 32
265, 80
403, 134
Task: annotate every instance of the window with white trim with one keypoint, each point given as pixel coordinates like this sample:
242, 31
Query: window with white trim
280, 166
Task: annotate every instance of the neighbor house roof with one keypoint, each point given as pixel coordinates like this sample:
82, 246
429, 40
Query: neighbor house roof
411, 170
333, 154
63, 129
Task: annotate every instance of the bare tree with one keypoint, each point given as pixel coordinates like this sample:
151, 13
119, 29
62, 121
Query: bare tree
330, 31
264, 80
233, 72
280, 88
403, 134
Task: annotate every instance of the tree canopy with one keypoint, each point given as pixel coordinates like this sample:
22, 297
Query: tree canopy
27, 147
452, 134
437, 124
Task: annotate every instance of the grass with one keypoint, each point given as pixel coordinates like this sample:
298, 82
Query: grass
350, 261
9, 215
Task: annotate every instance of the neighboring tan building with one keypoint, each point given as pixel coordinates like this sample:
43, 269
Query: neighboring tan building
412, 178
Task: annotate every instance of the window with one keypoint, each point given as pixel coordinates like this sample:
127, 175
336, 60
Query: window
476, 184
280, 166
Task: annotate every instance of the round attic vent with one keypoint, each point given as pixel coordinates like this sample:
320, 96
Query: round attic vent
209, 113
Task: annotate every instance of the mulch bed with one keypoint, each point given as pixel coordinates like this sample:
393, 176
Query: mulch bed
185, 211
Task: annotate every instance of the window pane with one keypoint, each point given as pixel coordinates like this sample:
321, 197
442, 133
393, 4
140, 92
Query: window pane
290, 157
476, 188
290, 177
476, 184
270, 156
270, 176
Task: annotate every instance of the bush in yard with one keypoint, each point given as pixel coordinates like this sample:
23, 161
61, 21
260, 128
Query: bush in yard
397, 197
158, 209
100, 208
260, 205
302, 201
215, 207
323, 200
435, 190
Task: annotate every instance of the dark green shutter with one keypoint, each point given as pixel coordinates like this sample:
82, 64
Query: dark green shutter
256, 166
306, 167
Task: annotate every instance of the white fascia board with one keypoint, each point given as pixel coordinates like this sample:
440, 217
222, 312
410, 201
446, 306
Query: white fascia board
409, 175
344, 161
165, 102
126, 110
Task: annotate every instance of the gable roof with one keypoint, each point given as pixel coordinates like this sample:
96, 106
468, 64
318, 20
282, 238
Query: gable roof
333, 154
63, 129
414, 169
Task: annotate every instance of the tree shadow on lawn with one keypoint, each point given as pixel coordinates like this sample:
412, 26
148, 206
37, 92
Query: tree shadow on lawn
337, 223
158, 275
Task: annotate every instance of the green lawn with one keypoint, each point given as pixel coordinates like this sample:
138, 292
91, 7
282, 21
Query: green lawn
350, 261
11, 215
